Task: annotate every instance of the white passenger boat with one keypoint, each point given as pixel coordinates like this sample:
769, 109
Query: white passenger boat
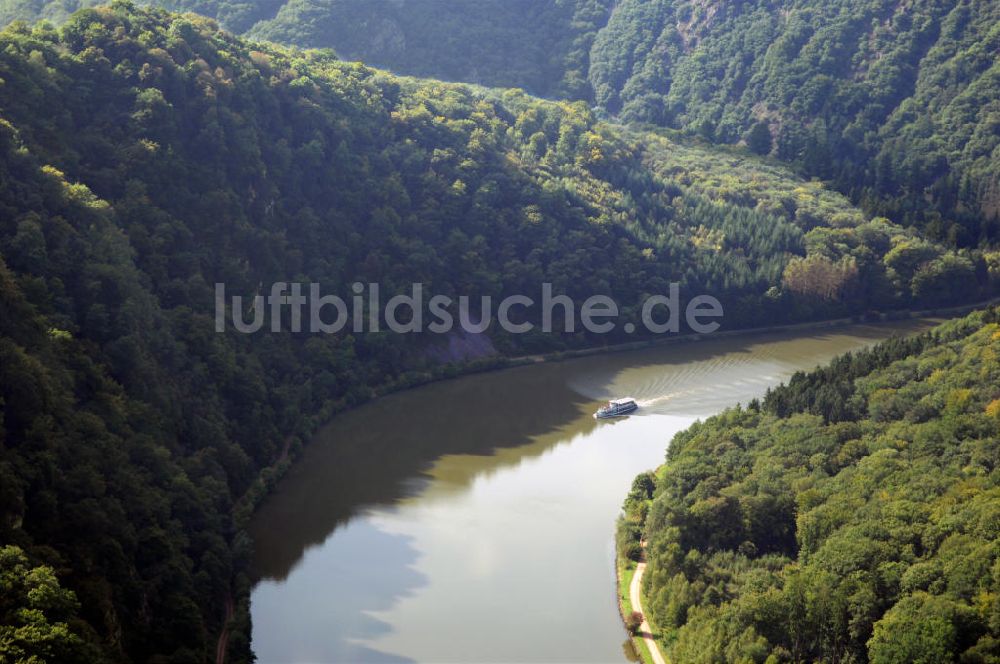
617, 407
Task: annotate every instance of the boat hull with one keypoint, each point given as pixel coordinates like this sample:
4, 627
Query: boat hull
625, 410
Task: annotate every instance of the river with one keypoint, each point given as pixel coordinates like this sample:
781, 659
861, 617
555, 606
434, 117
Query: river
472, 520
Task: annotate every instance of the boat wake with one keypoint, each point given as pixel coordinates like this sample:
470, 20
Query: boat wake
698, 388
699, 380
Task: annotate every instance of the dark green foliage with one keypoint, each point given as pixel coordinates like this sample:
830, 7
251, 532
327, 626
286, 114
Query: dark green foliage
860, 532
543, 47
896, 106
628, 533
759, 138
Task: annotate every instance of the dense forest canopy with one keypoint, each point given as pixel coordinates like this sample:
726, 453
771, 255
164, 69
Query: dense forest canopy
541, 46
145, 156
896, 103
851, 516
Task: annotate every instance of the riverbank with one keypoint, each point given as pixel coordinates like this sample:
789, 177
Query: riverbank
624, 573
831, 323
646, 632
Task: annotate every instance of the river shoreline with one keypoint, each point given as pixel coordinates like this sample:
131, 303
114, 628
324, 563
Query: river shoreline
624, 571
269, 476
830, 323
500, 362
245, 507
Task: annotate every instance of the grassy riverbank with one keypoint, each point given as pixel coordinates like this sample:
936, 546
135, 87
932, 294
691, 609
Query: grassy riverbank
629, 551
624, 574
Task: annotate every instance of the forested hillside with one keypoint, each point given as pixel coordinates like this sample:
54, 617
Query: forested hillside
851, 516
145, 157
895, 103
541, 46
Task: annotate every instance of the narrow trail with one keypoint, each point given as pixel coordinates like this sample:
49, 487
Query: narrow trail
645, 631
223, 644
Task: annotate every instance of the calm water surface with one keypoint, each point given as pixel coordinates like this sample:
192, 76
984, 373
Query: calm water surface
472, 520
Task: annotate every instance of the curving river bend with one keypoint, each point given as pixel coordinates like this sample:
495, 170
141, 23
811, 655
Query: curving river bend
471, 520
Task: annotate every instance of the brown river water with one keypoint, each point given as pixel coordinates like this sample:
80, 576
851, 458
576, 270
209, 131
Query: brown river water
472, 520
